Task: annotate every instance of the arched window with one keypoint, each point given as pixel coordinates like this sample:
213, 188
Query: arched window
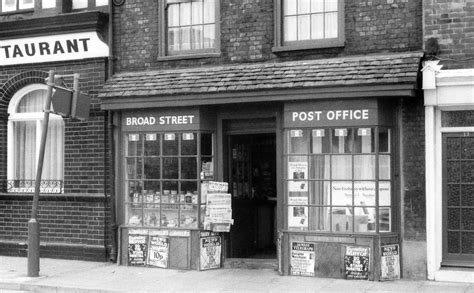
24, 137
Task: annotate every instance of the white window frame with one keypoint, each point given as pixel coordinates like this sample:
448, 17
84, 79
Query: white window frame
13, 116
19, 5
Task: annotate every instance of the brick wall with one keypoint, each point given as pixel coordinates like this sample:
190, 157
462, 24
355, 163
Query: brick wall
247, 32
452, 24
73, 224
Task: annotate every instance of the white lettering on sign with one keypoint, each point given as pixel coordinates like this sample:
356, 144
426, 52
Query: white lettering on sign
140, 121
60, 47
179, 119
359, 114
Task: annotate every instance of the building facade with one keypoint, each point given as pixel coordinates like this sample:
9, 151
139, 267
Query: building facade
310, 111
66, 38
448, 86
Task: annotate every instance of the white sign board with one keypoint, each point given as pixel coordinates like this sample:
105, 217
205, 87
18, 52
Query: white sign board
52, 48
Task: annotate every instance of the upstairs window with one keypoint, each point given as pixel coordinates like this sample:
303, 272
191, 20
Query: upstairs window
16, 5
307, 24
83, 4
190, 27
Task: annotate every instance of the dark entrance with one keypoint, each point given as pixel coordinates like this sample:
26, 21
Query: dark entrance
251, 169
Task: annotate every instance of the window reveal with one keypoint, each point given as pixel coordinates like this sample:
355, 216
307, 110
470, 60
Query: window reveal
339, 180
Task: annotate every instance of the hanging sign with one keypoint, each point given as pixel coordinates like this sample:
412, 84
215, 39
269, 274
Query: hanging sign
210, 250
158, 251
302, 259
56, 47
390, 262
137, 247
357, 262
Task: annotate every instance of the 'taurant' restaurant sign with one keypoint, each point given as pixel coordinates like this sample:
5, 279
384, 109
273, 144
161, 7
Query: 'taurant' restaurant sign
52, 48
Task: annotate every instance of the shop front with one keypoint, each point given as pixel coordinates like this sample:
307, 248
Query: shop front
304, 179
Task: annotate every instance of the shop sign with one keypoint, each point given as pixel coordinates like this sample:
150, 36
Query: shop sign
137, 247
179, 119
302, 259
326, 113
390, 262
52, 48
210, 250
357, 262
158, 251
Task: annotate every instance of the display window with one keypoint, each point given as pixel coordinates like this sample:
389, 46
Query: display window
163, 175
339, 179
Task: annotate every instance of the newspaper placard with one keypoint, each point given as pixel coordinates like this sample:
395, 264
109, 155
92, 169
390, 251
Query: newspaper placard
218, 187
390, 263
210, 251
297, 216
158, 251
357, 262
137, 247
298, 170
302, 259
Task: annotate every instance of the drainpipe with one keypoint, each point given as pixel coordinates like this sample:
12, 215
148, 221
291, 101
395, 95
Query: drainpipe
110, 131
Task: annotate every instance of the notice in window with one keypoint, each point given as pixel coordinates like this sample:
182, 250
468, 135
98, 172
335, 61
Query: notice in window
298, 217
137, 247
302, 259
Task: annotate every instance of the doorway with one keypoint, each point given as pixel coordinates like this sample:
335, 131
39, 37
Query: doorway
251, 172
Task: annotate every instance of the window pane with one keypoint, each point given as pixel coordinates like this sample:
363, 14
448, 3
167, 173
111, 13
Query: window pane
79, 4
317, 6
304, 24
100, 2
170, 168
341, 193
364, 140
173, 39
27, 4
189, 168
48, 4
185, 38
152, 144
298, 217
173, 15
206, 144
384, 140
197, 17
209, 36
189, 143
317, 26
341, 167
290, 28
330, 26
385, 193
364, 219
32, 102
342, 141
364, 167
24, 137
134, 168
209, 11
289, 7
320, 192
341, 218
319, 218
304, 6
364, 193
331, 5
152, 168
321, 141
54, 151
385, 219
197, 37
8, 5
170, 144
134, 145
299, 141
384, 167
185, 14
320, 166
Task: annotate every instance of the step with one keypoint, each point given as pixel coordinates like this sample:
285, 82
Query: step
250, 263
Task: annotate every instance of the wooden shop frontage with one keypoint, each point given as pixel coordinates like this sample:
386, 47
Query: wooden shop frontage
293, 163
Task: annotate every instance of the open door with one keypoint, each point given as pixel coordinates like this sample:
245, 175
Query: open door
252, 182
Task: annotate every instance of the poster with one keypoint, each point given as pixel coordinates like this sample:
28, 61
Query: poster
210, 250
302, 259
137, 247
357, 262
297, 171
390, 263
297, 216
158, 251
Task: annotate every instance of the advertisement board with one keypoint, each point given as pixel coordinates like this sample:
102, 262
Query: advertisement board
390, 262
302, 259
210, 250
357, 262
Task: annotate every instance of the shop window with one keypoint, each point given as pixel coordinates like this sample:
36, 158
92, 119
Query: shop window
24, 132
83, 4
307, 24
339, 180
190, 27
163, 176
12, 6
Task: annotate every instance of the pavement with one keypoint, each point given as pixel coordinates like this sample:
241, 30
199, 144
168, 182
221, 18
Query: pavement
82, 276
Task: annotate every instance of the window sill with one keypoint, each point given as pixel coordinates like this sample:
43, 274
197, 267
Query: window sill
308, 46
17, 12
189, 56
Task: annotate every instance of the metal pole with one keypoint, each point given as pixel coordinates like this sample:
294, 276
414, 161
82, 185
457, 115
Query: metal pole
33, 224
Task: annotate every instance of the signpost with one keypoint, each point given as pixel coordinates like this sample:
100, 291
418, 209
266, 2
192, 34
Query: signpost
54, 93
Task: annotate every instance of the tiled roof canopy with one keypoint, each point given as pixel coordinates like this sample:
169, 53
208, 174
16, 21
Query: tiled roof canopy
214, 85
